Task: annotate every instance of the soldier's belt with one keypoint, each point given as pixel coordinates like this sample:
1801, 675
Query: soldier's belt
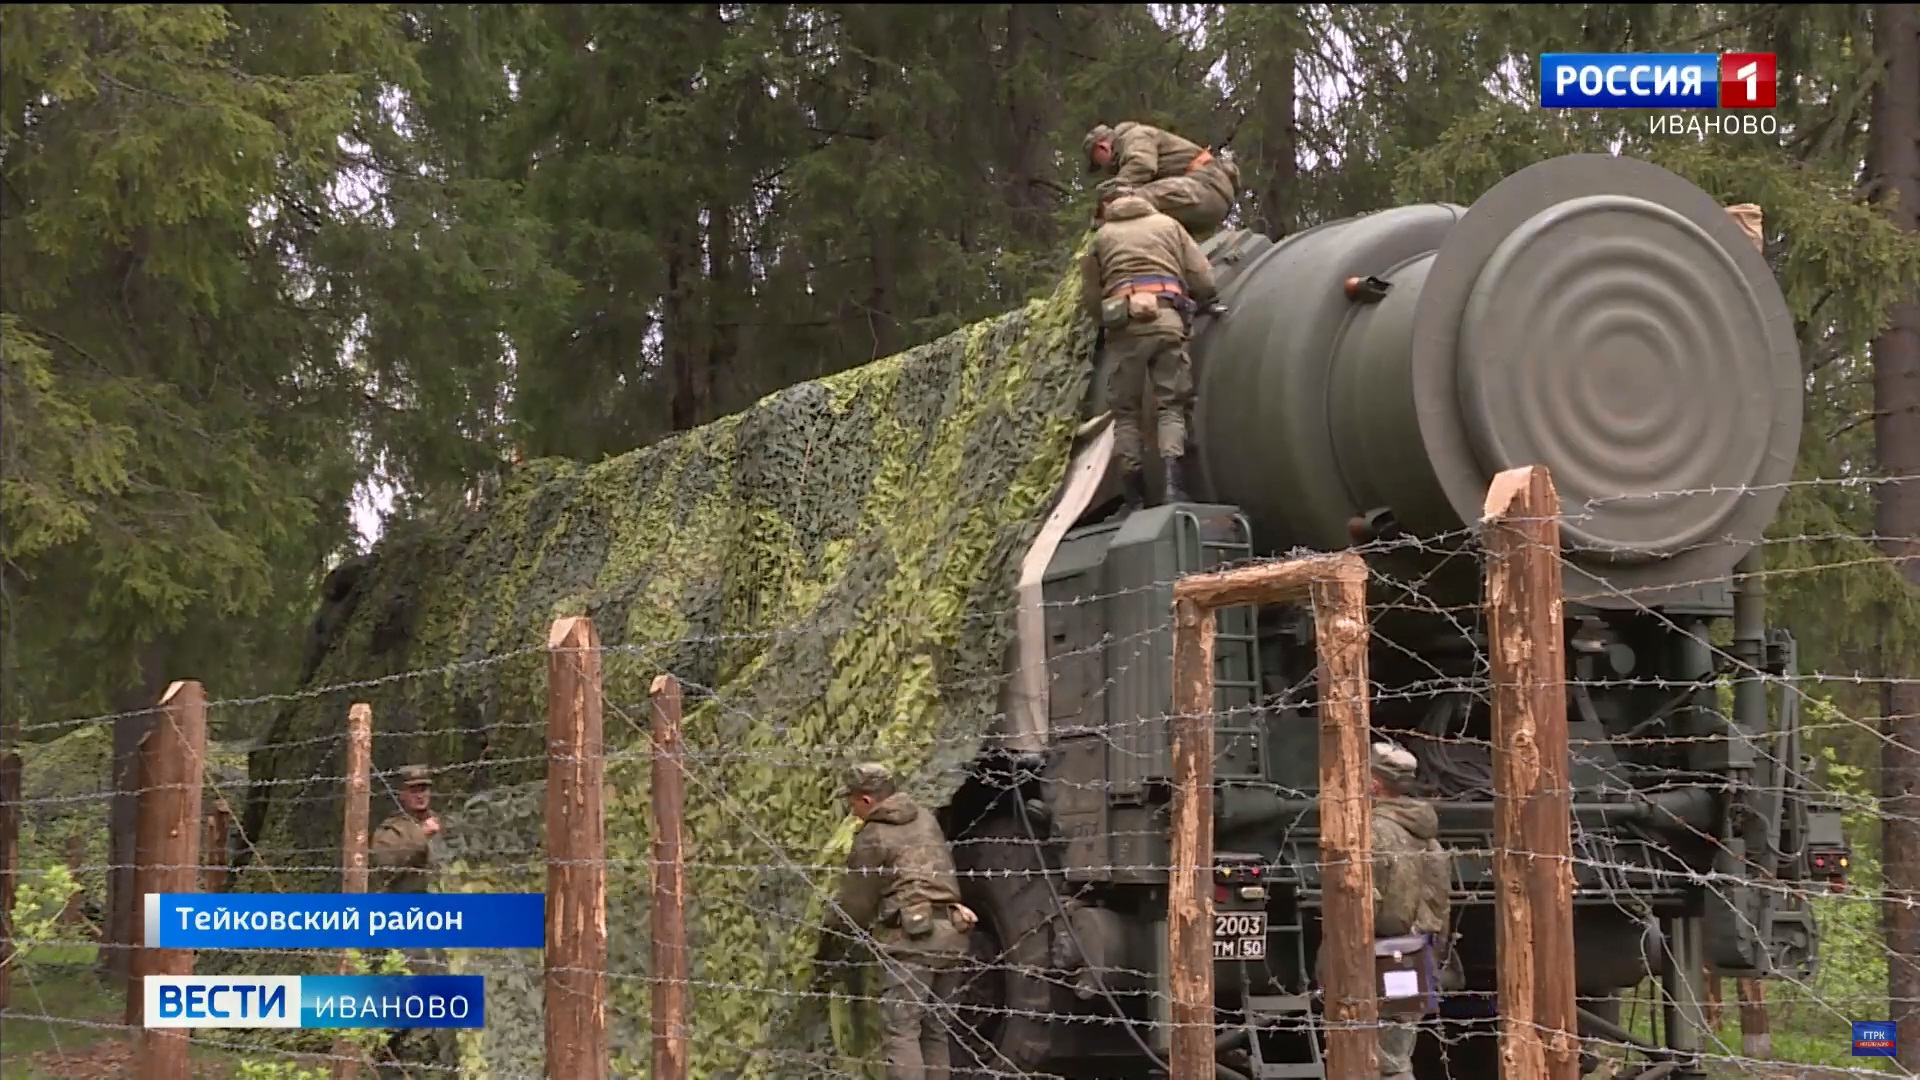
1148, 285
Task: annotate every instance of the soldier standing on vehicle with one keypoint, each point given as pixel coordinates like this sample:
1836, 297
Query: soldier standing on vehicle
1182, 179
1142, 280
1412, 878
901, 887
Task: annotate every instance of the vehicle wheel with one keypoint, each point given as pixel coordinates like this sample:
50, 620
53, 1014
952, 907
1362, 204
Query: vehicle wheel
1005, 1001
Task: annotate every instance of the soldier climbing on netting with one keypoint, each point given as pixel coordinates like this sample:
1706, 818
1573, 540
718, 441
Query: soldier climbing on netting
1182, 179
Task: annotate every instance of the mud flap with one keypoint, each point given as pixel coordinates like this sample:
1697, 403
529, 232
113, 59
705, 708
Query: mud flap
1024, 702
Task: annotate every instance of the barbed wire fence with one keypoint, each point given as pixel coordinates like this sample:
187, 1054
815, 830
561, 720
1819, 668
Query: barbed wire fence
1586, 817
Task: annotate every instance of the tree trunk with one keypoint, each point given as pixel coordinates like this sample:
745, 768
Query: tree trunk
1027, 124
680, 336
1275, 102
727, 299
128, 729
1894, 157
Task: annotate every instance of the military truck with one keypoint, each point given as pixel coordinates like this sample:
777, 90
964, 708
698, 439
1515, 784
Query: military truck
1597, 315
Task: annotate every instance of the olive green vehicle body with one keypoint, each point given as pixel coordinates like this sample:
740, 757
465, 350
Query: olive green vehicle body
1375, 373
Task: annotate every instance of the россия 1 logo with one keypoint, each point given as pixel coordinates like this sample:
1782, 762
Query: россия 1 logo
1657, 80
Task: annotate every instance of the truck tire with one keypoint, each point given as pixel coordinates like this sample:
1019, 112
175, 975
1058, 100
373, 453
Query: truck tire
1005, 1003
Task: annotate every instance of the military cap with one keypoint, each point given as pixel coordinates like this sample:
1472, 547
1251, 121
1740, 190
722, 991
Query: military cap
1391, 762
868, 778
415, 776
1095, 134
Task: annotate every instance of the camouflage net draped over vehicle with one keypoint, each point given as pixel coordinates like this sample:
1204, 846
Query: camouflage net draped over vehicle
830, 573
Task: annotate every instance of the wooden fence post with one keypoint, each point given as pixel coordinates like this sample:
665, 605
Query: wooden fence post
214, 855
669, 884
1756, 1041
353, 848
10, 792
1190, 884
167, 859
1336, 587
1533, 865
576, 938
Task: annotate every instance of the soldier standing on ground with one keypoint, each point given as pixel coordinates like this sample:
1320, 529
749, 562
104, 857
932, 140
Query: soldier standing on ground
398, 858
398, 852
1142, 280
901, 887
1182, 179
400, 847
1412, 877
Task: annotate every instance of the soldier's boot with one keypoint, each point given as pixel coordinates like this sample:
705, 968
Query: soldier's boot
1133, 490
1176, 481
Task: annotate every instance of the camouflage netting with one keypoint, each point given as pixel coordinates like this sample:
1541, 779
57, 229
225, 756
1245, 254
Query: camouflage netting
830, 573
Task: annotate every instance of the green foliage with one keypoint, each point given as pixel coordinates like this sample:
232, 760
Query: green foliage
34, 919
174, 393
256, 1069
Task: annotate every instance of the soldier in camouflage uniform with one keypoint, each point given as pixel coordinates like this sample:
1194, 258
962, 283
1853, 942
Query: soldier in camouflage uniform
901, 887
1183, 180
397, 858
1412, 876
1142, 280
398, 853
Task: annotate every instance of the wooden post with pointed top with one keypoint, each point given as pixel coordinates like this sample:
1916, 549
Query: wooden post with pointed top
1533, 863
353, 848
1336, 588
576, 902
167, 860
669, 884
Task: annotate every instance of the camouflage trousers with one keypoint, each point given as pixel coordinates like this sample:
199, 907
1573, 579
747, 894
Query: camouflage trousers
1199, 200
416, 1053
1396, 1050
1156, 354
916, 1026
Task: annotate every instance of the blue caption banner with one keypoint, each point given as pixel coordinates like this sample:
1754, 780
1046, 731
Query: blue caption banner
1874, 1038
314, 1001
345, 920
1629, 80
392, 1001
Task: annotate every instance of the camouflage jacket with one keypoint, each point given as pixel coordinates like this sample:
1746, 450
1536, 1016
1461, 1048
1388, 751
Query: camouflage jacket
397, 855
899, 866
1143, 154
1135, 240
1412, 872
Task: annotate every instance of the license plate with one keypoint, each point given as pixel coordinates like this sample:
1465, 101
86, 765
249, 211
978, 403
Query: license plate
1240, 935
